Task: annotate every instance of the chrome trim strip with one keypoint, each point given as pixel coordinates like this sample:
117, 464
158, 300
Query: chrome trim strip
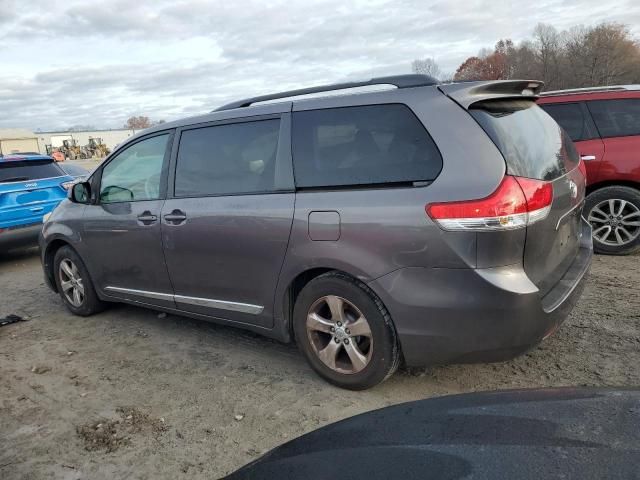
221, 304
201, 302
141, 293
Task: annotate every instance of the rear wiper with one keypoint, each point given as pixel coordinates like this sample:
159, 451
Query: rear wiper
15, 179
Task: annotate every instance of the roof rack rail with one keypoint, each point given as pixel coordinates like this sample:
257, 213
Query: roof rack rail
576, 91
399, 81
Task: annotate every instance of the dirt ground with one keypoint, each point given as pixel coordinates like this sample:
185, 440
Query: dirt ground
130, 393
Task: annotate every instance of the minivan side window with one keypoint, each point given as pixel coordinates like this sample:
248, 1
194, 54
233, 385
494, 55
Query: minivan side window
571, 118
227, 159
134, 173
362, 145
616, 118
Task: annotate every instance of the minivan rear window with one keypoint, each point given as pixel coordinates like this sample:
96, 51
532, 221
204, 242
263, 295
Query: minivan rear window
24, 170
532, 143
361, 146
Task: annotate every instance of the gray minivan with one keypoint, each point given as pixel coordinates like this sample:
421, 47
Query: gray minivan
414, 222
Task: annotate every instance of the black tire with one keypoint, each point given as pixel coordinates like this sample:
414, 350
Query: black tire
90, 303
385, 352
604, 194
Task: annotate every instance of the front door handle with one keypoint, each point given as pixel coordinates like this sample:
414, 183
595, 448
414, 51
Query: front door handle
147, 218
587, 157
176, 217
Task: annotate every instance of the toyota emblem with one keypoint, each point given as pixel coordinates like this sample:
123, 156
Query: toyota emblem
574, 189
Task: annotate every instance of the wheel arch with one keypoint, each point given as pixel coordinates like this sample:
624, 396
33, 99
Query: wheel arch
295, 286
47, 260
287, 299
612, 183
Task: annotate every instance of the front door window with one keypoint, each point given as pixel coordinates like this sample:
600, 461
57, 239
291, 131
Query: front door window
134, 174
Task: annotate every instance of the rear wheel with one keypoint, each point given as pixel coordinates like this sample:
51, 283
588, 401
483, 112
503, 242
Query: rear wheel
74, 284
614, 215
345, 332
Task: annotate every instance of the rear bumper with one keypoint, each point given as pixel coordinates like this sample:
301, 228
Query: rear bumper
18, 237
477, 315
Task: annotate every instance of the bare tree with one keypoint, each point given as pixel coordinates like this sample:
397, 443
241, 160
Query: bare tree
138, 123
548, 50
426, 66
577, 58
522, 61
614, 55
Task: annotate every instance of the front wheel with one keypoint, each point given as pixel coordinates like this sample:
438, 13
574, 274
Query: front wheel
614, 215
74, 284
345, 332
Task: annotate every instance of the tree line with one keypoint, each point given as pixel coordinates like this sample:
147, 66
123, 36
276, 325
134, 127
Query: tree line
605, 54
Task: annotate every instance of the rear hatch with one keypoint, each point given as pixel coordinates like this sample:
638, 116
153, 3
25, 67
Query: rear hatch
535, 147
29, 189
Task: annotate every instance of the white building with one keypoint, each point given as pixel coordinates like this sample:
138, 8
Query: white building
18, 140
111, 138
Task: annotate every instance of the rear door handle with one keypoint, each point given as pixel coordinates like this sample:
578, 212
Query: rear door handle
587, 157
147, 218
176, 217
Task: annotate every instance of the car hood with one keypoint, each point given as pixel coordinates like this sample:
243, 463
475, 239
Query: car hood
543, 433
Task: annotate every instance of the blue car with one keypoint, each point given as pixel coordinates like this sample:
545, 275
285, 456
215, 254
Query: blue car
31, 186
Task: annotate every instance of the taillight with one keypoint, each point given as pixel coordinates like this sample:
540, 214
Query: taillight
516, 203
67, 185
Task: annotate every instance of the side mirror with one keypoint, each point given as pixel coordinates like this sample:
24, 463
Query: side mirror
80, 193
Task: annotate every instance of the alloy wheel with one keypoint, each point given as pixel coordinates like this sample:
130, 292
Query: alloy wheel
615, 222
71, 282
339, 334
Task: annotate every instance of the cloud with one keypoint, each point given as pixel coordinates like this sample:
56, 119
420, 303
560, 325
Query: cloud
98, 62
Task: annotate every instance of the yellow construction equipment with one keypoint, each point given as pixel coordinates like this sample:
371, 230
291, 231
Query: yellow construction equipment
96, 148
71, 150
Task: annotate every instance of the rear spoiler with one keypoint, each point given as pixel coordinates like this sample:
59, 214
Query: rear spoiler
22, 157
466, 94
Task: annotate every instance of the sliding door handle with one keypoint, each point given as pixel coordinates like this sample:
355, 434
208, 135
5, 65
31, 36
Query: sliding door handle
147, 218
176, 217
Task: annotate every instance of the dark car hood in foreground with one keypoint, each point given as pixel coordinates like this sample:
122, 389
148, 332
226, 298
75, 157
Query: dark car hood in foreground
519, 434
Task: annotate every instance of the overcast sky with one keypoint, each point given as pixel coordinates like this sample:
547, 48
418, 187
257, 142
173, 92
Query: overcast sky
65, 63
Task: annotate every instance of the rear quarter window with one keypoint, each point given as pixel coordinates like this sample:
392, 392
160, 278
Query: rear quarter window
20, 171
616, 118
573, 119
532, 143
362, 146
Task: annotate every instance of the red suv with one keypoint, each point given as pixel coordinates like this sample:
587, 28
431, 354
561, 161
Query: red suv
604, 123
